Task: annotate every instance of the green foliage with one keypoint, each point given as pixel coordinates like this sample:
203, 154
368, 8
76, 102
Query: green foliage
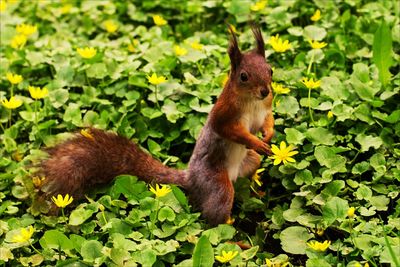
346, 131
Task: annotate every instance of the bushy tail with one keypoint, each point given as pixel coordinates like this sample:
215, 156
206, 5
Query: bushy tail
95, 157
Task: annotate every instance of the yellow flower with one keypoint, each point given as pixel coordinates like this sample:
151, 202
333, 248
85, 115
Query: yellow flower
62, 202
132, 45
226, 256
24, 235
110, 26
279, 89
278, 44
310, 83
14, 78
318, 246
330, 114
233, 28
270, 263
37, 93
256, 176
3, 5
26, 29
87, 52
230, 221
350, 212
86, 133
317, 45
66, 8
159, 21
160, 191
180, 51
260, 5
18, 41
37, 181
13, 103
283, 153
366, 264
131, 48
153, 79
316, 16
196, 45
319, 231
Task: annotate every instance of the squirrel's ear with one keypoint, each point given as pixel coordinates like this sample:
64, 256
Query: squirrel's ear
233, 50
259, 40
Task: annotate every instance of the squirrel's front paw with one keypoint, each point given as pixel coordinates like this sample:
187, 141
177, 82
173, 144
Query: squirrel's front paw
263, 148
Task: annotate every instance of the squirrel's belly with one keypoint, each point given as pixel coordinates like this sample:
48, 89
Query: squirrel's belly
235, 154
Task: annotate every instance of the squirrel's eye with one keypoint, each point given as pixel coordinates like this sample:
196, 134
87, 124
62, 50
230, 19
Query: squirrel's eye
243, 77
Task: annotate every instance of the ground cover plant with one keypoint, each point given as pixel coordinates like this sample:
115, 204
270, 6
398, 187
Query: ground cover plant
151, 71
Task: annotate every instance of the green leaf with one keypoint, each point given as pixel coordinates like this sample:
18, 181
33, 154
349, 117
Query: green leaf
166, 213
303, 177
249, 253
382, 52
181, 197
170, 110
288, 105
314, 33
327, 157
294, 239
363, 192
334, 88
203, 254
333, 188
220, 233
380, 202
80, 215
130, 187
368, 141
56, 240
360, 167
294, 136
58, 97
320, 136
91, 250
97, 70
335, 209
317, 263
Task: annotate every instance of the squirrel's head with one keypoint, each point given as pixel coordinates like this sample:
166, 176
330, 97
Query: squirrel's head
250, 74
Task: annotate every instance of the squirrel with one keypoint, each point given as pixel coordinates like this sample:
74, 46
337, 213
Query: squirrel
226, 148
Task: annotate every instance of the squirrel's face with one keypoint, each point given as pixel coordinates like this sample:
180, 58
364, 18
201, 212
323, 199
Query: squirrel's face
250, 74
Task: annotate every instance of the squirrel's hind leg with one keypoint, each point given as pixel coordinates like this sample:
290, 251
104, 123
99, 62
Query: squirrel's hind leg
250, 164
217, 203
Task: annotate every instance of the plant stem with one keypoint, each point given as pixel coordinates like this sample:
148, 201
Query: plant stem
309, 106
63, 215
154, 220
37, 251
156, 96
311, 62
36, 122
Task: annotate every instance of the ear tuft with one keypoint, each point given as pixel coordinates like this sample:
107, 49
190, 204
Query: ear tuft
259, 39
233, 50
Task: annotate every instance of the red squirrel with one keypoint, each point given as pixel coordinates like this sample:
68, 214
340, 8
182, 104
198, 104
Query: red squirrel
226, 148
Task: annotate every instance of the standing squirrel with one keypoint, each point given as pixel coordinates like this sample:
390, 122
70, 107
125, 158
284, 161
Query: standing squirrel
226, 148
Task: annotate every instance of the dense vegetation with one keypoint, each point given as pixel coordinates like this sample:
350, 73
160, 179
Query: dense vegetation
337, 103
